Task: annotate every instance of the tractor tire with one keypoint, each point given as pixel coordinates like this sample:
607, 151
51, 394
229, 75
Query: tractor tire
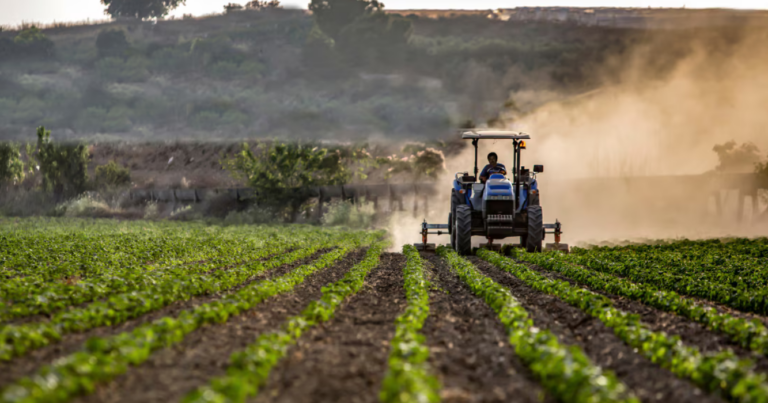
451, 231
457, 199
535, 229
463, 230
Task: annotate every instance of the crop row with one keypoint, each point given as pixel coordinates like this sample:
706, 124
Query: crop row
722, 373
104, 358
750, 334
18, 339
408, 378
757, 248
704, 261
565, 372
755, 300
55, 296
250, 368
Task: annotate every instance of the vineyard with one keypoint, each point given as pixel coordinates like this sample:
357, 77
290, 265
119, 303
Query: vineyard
140, 311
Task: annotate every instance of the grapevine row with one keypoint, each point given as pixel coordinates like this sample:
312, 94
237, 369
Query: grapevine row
565, 372
250, 368
722, 372
104, 358
408, 378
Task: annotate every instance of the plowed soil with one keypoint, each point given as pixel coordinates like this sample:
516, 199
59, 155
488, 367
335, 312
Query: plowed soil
469, 347
648, 381
171, 373
31, 362
345, 359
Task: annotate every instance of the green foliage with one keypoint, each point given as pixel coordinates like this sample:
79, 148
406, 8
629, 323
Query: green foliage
346, 214
135, 69
112, 174
141, 9
565, 372
250, 368
11, 165
33, 43
112, 43
64, 167
332, 16
721, 372
408, 378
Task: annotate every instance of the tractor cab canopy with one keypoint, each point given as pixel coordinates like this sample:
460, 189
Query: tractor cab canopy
471, 134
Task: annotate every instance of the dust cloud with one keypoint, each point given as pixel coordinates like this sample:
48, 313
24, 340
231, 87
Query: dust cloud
606, 152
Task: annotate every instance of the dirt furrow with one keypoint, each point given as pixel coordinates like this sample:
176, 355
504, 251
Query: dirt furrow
469, 347
171, 373
28, 364
690, 332
345, 359
648, 381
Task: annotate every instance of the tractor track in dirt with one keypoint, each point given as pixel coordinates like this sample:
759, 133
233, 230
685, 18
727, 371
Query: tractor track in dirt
169, 374
469, 347
572, 326
29, 363
345, 359
690, 332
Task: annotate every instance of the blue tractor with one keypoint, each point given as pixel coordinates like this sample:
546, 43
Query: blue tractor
502, 207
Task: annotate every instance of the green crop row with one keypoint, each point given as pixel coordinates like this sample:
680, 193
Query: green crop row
708, 261
408, 378
750, 334
722, 373
19, 339
755, 300
565, 372
104, 358
757, 248
250, 368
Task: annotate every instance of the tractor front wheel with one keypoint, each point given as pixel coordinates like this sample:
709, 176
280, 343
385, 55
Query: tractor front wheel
535, 229
462, 230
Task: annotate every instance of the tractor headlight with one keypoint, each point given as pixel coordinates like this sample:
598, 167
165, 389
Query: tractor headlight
499, 197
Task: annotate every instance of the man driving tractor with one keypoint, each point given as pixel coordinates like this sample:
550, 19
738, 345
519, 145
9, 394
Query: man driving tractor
493, 167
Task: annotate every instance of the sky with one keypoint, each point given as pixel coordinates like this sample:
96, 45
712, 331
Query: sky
14, 12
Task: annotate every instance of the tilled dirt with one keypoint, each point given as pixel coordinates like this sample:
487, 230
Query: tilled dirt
469, 347
690, 332
26, 365
345, 359
648, 381
169, 374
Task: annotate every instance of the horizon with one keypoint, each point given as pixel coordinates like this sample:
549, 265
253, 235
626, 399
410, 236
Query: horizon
83, 11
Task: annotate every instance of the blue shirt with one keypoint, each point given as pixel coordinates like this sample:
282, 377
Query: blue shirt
498, 169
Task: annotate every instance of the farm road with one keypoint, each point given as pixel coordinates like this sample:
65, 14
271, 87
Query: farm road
648, 381
345, 359
28, 364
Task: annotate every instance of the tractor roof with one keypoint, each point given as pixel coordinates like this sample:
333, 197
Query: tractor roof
471, 134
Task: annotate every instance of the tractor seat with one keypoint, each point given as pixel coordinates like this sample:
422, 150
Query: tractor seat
497, 176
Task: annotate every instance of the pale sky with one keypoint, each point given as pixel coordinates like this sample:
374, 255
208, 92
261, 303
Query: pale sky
14, 12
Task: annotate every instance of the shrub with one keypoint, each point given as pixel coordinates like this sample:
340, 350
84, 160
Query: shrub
344, 213
32, 42
172, 60
64, 167
135, 69
112, 43
11, 166
83, 206
111, 175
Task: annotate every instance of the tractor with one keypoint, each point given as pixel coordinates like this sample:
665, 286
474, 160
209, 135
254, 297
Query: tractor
500, 208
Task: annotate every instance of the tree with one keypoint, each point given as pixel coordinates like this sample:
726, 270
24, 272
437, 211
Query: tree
735, 158
32, 42
262, 4
282, 173
11, 166
64, 167
141, 9
112, 43
332, 16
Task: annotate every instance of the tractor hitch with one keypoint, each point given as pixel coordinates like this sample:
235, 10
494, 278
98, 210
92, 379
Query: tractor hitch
557, 231
424, 245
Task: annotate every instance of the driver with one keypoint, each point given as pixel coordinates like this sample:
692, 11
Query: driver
493, 167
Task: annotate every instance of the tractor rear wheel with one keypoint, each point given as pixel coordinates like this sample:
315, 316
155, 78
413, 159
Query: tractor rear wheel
451, 230
463, 230
535, 229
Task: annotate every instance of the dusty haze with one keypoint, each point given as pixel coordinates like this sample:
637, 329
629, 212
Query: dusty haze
645, 123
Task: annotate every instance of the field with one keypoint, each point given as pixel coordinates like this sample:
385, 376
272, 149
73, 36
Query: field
107, 311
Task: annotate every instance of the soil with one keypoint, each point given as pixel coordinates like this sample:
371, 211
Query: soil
169, 374
469, 347
572, 326
28, 364
690, 332
345, 359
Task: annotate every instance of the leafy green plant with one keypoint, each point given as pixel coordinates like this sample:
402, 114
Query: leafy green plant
111, 174
64, 167
566, 372
250, 368
408, 378
722, 372
11, 165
